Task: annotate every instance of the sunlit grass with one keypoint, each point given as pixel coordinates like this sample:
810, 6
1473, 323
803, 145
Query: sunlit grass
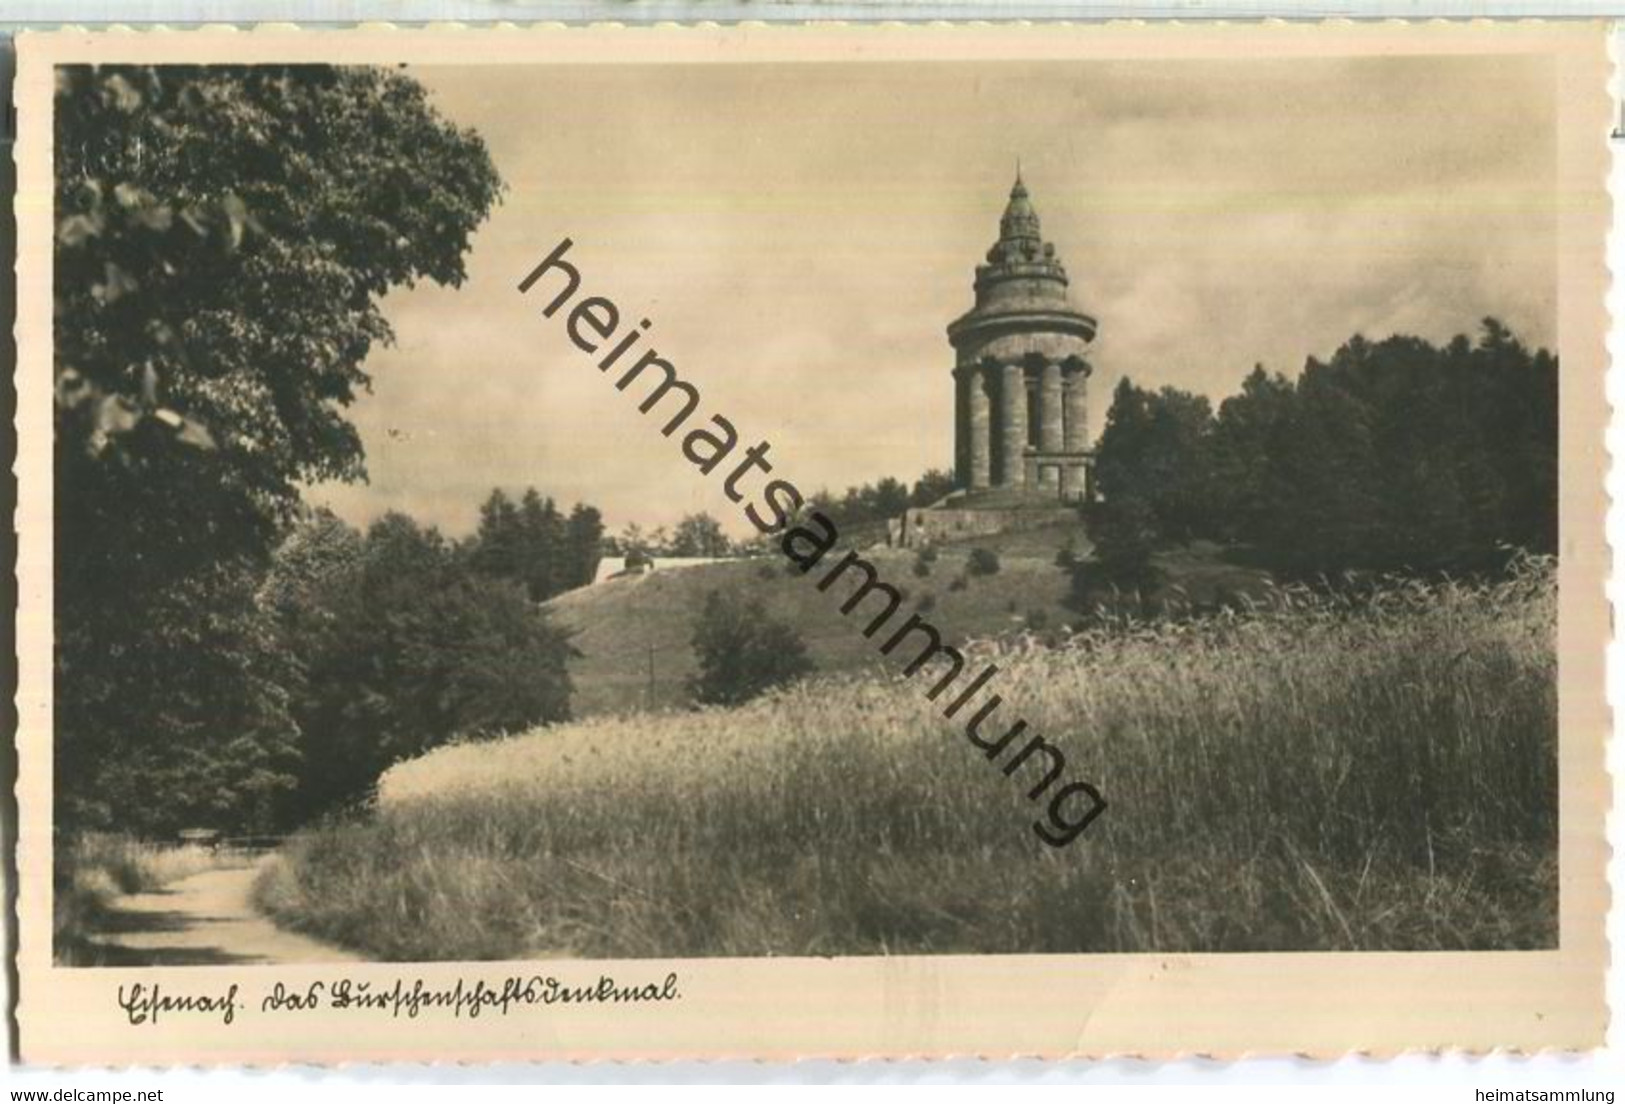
1310, 773
94, 869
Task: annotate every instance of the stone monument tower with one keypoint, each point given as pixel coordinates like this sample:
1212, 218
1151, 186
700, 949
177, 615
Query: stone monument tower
1021, 410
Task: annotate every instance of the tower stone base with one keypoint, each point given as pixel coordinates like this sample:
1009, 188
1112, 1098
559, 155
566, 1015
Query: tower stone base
946, 522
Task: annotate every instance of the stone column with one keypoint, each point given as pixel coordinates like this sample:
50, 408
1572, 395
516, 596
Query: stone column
961, 430
1049, 417
1075, 434
1012, 426
978, 427
1076, 418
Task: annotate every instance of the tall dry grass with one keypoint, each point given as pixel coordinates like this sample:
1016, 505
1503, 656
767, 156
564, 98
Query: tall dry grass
92, 870
1311, 773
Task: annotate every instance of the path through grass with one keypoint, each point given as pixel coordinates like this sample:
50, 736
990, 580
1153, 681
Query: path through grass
1312, 774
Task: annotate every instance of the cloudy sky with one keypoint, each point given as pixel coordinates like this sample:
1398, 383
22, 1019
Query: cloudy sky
800, 235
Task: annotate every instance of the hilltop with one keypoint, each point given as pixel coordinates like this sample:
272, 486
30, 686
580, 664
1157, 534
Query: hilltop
624, 627
1273, 781
634, 633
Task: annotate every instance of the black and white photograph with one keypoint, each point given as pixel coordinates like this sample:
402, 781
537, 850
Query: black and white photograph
509, 511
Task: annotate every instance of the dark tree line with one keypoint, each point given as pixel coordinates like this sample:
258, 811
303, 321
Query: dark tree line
401, 642
875, 503
1394, 456
866, 505
224, 236
535, 545
861, 511
697, 534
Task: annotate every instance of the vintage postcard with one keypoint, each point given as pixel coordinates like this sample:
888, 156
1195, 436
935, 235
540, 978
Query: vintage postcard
807, 542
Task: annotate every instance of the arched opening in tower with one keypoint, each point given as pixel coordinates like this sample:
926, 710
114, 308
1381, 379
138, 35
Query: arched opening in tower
1035, 411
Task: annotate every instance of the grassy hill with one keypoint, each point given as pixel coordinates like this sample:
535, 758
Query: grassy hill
1309, 774
634, 634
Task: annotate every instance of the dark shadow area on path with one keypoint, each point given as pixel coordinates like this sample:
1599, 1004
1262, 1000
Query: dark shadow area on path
207, 919
102, 954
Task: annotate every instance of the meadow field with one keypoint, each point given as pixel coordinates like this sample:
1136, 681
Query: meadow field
1311, 772
633, 635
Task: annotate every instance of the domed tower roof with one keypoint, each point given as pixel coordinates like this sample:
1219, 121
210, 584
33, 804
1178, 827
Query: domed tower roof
1023, 285
1020, 221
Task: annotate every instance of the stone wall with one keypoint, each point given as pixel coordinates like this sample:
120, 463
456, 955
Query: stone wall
918, 528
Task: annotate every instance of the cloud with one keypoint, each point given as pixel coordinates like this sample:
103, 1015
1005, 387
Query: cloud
800, 236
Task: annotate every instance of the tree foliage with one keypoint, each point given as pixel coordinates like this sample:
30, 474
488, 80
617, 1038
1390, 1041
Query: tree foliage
700, 535
531, 543
403, 646
1393, 456
223, 237
931, 486
1154, 450
186, 720
1121, 577
743, 651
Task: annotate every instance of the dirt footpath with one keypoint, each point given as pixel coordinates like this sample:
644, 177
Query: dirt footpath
206, 919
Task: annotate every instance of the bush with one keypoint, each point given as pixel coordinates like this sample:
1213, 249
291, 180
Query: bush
982, 561
1122, 574
1315, 772
743, 651
210, 742
959, 583
449, 654
92, 870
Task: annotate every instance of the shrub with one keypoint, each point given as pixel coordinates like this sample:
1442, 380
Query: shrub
982, 561
1315, 772
743, 651
91, 870
1122, 575
959, 583
451, 654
